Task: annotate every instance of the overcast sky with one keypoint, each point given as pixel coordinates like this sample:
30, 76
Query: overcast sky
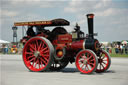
110, 21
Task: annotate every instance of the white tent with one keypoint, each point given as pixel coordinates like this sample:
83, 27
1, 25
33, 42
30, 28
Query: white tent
105, 43
3, 41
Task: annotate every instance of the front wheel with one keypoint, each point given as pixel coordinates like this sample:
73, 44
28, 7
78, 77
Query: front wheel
86, 61
104, 61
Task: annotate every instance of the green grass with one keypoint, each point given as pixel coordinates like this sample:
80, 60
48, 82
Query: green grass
118, 55
113, 54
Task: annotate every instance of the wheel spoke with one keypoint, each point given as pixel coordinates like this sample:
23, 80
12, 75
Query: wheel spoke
31, 50
80, 63
35, 47
44, 49
100, 66
91, 64
41, 64
31, 46
29, 53
91, 60
105, 60
42, 46
43, 61
46, 55
104, 63
89, 57
39, 46
87, 67
31, 59
33, 62
82, 66
84, 57
36, 63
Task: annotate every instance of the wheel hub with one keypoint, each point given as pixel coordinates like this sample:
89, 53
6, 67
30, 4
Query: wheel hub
36, 53
100, 60
85, 62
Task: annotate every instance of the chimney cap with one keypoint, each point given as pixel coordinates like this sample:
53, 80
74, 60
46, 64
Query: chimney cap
90, 15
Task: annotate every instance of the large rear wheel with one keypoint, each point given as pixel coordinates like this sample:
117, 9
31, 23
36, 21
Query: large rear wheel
86, 61
37, 54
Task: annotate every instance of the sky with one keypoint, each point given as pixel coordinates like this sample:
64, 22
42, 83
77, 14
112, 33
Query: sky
110, 21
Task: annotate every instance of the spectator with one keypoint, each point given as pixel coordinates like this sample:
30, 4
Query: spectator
116, 49
110, 49
6, 49
107, 49
121, 49
102, 46
126, 49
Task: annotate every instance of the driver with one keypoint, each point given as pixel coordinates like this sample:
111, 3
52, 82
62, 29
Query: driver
30, 31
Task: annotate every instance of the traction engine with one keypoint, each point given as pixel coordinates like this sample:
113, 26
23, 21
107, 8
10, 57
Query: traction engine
46, 50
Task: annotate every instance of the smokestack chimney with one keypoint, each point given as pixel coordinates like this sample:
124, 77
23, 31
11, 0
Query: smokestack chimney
90, 25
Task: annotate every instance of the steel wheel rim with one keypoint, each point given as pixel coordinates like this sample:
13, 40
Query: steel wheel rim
36, 54
86, 62
103, 62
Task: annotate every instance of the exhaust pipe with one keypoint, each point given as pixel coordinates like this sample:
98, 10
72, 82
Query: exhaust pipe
90, 25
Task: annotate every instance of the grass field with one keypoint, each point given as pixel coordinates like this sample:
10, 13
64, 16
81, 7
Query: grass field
113, 54
118, 55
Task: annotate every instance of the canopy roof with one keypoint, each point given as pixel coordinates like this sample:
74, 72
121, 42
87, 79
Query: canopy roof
54, 22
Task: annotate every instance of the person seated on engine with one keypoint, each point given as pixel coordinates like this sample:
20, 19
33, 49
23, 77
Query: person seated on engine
40, 29
80, 34
30, 31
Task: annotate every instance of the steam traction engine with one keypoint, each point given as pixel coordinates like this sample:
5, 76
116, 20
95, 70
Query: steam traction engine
53, 50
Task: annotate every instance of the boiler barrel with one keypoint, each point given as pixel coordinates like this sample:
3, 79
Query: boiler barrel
77, 45
92, 44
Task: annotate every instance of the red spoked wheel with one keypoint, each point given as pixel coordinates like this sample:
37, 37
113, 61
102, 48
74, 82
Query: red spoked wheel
37, 54
104, 62
86, 61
